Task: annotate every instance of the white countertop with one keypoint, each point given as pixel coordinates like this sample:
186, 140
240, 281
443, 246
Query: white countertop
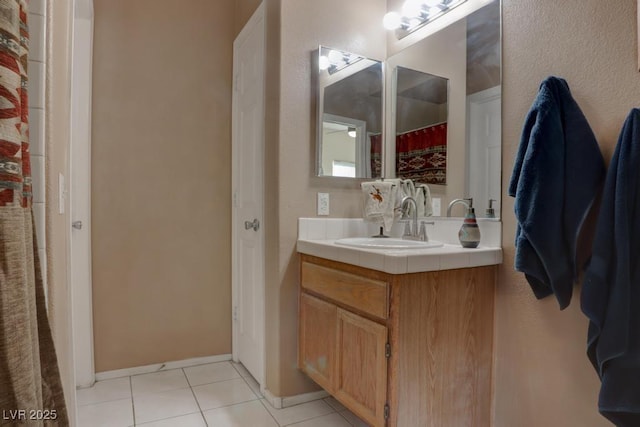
402, 261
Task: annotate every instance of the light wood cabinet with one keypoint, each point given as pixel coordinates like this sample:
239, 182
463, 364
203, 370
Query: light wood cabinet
362, 366
400, 350
317, 353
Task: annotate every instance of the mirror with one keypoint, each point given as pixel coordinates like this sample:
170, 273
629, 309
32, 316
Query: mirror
460, 57
456, 74
421, 126
350, 112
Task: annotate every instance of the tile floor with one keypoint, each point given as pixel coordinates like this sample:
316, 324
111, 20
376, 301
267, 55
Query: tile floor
215, 395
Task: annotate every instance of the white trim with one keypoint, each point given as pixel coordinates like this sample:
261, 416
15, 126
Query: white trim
286, 402
118, 373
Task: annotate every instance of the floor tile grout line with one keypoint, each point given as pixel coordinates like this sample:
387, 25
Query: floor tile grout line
193, 393
231, 404
133, 406
187, 378
308, 419
221, 381
169, 418
269, 412
340, 413
104, 401
261, 396
148, 393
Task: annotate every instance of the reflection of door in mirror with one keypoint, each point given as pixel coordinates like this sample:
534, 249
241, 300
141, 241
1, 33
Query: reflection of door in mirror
349, 102
484, 147
344, 150
421, 126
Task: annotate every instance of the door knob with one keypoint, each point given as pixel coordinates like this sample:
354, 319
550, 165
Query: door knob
77, 225
255, 224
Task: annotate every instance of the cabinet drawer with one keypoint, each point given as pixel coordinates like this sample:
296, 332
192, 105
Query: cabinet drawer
361, 293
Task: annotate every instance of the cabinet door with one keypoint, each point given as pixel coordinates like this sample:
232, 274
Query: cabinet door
317, 346
362, 367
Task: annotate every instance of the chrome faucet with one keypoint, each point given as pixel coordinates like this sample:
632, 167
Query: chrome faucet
467, 202
410, 229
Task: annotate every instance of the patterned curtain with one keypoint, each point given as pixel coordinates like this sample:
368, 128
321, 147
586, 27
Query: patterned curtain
421, 155
376, 155
30, 386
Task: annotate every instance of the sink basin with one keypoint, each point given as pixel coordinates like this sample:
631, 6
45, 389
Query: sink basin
388, 243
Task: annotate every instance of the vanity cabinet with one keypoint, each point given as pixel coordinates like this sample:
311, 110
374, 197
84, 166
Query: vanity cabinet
399, 350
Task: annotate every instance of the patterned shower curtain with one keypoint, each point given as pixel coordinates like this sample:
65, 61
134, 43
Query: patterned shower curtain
376, 155
30, 386
421, 155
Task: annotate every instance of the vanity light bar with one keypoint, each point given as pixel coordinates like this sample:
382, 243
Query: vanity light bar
337, 60
416, 14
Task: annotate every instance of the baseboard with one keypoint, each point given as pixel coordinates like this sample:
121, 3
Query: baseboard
86, 385
107, 375
285, 402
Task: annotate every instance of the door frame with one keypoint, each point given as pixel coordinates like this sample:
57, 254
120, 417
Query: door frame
257, 19
80, 174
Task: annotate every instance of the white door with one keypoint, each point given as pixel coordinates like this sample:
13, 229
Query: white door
248, 191
80, 193
485, 139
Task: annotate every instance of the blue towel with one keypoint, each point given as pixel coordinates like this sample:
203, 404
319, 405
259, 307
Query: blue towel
557, 176
611, 290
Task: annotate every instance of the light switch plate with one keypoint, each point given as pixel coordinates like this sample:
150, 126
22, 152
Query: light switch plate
323, 204
436, 205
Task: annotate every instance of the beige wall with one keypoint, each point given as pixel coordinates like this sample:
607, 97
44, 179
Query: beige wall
542, 375
58, 108
161, 181
242, 12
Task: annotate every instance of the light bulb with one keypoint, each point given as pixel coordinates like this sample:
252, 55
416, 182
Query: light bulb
392, 21
335, 57
351, 132
412, 8
324, 63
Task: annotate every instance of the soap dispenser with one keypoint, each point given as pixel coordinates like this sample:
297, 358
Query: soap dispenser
491, 213
469, 233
